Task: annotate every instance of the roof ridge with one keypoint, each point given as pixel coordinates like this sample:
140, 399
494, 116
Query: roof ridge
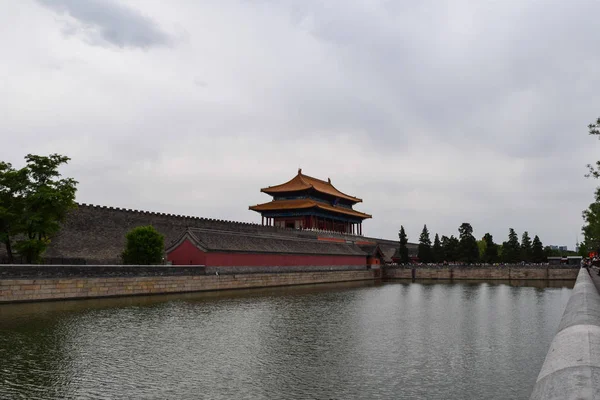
316, 179
266, 235
328, 182
300, 175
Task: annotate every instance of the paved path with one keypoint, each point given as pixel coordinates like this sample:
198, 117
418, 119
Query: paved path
595, 277
572, 366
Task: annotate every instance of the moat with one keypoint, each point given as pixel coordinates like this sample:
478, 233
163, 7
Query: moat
420, 340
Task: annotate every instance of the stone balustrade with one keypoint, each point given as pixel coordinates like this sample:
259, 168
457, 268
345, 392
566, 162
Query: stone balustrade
572, 367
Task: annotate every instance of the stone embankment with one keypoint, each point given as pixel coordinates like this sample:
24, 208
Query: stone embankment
54, 282
505, 272
572, 367
85, 282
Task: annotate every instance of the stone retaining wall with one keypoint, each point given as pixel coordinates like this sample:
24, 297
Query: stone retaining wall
533, 272
31, 271
15, 290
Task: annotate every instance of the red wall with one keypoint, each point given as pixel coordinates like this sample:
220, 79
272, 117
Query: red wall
187, 254
269, 260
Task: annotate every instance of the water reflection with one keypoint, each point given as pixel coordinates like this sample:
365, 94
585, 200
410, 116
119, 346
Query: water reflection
429, 340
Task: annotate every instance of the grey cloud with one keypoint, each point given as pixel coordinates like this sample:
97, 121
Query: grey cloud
457, 77
105, 22
433, 112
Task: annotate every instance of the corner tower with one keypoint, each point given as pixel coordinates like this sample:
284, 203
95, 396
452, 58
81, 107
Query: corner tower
305, 202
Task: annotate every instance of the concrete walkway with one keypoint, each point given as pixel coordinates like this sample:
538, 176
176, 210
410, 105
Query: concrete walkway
595, 278
572, 366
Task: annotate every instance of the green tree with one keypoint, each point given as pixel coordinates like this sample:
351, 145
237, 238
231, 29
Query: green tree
12, 187
145, 246
583, 249
594, 170
424, 249
481, 245
591, 228
490, 254
451, 248
591, 216
468, 249
437, 251
403, 249
550, 252
511, 250
537, 251
47, 199
526, 249
34, 200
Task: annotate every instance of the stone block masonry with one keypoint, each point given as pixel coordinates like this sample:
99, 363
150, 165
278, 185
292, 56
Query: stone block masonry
96, 234
484, 273
18, 290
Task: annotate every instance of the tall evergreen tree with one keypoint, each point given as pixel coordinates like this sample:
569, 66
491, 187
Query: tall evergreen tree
537, 251
481, 245
450, 248
526, 250
490, 255
511, 250
437, 251
403, 250
468, 249
425, 246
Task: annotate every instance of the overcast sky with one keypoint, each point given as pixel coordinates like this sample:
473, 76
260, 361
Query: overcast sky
433, 112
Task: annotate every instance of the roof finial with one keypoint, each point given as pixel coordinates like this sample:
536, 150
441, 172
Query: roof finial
329, 180
299, 171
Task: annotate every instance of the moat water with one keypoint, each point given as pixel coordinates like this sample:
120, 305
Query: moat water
344, 341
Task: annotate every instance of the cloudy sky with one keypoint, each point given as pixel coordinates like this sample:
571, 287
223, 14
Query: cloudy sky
436, 112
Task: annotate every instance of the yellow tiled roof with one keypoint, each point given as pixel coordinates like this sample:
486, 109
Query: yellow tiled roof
304, 182
303, 204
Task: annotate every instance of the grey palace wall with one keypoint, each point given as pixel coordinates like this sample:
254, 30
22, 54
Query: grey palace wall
96, 234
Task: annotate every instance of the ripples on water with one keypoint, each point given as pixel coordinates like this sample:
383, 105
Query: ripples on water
343, 341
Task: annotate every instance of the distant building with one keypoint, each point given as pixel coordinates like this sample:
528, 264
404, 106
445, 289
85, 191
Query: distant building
559, 248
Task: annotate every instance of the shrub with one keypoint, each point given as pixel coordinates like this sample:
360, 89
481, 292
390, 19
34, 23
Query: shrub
145, 246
